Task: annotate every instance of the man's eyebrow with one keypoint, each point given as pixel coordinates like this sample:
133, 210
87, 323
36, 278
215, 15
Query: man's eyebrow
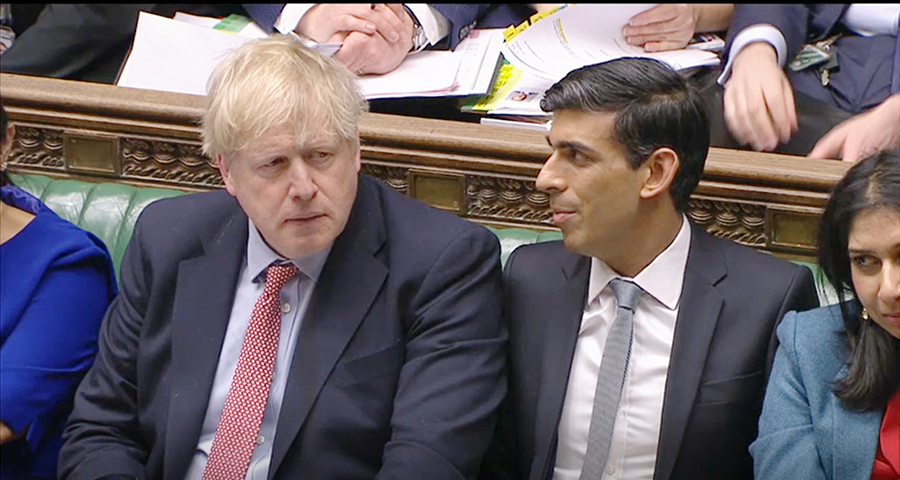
571, 145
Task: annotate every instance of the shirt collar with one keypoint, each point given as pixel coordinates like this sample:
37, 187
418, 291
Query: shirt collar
260, 256
662, 279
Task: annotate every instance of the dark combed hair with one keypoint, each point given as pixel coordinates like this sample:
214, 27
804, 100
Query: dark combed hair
4, 121
653, 105
874, 372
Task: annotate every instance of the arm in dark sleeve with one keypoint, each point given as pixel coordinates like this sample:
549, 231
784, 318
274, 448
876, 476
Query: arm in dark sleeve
786, 446
792, 20
102, 438
75, 41
264, 14
501, 459
454, 376
801, 296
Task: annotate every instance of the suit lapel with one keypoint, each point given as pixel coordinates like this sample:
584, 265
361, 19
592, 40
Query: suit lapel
350, 281
561, 320
854, 439
697, 317
201, 310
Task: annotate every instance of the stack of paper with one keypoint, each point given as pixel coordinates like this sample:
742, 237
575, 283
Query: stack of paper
584, 34
178, 55
542, 50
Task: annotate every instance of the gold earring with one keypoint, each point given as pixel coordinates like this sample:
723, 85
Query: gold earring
864, 314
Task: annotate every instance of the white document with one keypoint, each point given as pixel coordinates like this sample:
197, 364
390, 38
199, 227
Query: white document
178, 55
585, 34
174, 56
468, 70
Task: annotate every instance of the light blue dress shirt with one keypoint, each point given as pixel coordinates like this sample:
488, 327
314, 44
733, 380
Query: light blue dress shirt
295, 298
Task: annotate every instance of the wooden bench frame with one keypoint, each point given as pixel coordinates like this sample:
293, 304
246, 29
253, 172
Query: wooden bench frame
100, 132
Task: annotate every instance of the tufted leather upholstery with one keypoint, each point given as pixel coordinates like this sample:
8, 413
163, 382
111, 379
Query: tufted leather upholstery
110, 210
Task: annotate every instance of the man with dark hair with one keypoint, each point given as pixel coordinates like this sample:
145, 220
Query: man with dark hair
640, 344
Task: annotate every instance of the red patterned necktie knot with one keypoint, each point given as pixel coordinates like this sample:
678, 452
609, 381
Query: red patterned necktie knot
245, 406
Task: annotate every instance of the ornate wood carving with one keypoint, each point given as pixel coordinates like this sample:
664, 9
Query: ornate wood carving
743, 223
38, 147
743, 195
395, 177
179, 163
507, 200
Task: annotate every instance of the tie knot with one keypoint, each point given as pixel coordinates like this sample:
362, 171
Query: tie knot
627, 293
277, 275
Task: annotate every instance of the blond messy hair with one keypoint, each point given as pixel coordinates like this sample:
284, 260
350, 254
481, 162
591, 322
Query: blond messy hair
277, 83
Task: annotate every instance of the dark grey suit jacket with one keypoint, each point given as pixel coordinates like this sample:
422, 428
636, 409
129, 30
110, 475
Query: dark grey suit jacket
399, 367
724, 343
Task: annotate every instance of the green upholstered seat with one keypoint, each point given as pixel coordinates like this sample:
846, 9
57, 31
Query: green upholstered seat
110, 210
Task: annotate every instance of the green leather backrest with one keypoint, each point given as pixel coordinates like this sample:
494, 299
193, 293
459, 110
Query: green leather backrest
110, 210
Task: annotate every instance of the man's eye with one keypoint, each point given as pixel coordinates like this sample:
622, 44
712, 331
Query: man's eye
274, 162
320, 156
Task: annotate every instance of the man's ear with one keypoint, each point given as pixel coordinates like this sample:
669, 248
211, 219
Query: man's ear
659, 172
225, 171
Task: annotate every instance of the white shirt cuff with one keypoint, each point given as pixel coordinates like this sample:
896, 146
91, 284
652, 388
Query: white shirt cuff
291, 15
434, 23
752, 34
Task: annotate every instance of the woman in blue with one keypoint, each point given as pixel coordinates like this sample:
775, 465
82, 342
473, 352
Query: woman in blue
56, 281
832, 406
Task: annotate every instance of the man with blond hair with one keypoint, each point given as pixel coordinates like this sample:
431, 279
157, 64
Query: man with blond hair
307, 322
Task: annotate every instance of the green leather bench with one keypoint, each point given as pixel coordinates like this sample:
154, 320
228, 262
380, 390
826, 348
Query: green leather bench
110, 210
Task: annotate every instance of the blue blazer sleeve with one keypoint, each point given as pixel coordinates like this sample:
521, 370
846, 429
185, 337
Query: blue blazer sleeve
786, 444
805, 433
53, 344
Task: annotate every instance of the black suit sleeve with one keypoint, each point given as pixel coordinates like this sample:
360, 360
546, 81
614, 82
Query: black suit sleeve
801, 296
454, 373
500, 462
101, 439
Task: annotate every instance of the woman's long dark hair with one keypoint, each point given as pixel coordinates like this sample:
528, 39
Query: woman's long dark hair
874, 371
4, 121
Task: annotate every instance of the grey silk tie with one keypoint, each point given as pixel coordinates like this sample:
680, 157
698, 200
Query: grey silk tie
610, 379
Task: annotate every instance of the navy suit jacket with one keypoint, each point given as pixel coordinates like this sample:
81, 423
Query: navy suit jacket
399, 367
463, 17
805, 432
866, 64
731, 300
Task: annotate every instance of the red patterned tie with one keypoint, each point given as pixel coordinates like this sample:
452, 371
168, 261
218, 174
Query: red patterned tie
242, 416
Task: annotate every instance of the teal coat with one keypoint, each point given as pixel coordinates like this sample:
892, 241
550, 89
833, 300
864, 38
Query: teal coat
805, 432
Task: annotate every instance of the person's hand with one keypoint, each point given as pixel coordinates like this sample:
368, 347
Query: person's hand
668, 26
7, 435
862, 135
759, 101
374, 54
332, 22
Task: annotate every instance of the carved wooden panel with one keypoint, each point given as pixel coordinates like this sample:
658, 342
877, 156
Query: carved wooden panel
766, 201
178, 163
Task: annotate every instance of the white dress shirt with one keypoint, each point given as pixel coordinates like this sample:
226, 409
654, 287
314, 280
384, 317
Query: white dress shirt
632, 454
435, 24
295, 299
866, 19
